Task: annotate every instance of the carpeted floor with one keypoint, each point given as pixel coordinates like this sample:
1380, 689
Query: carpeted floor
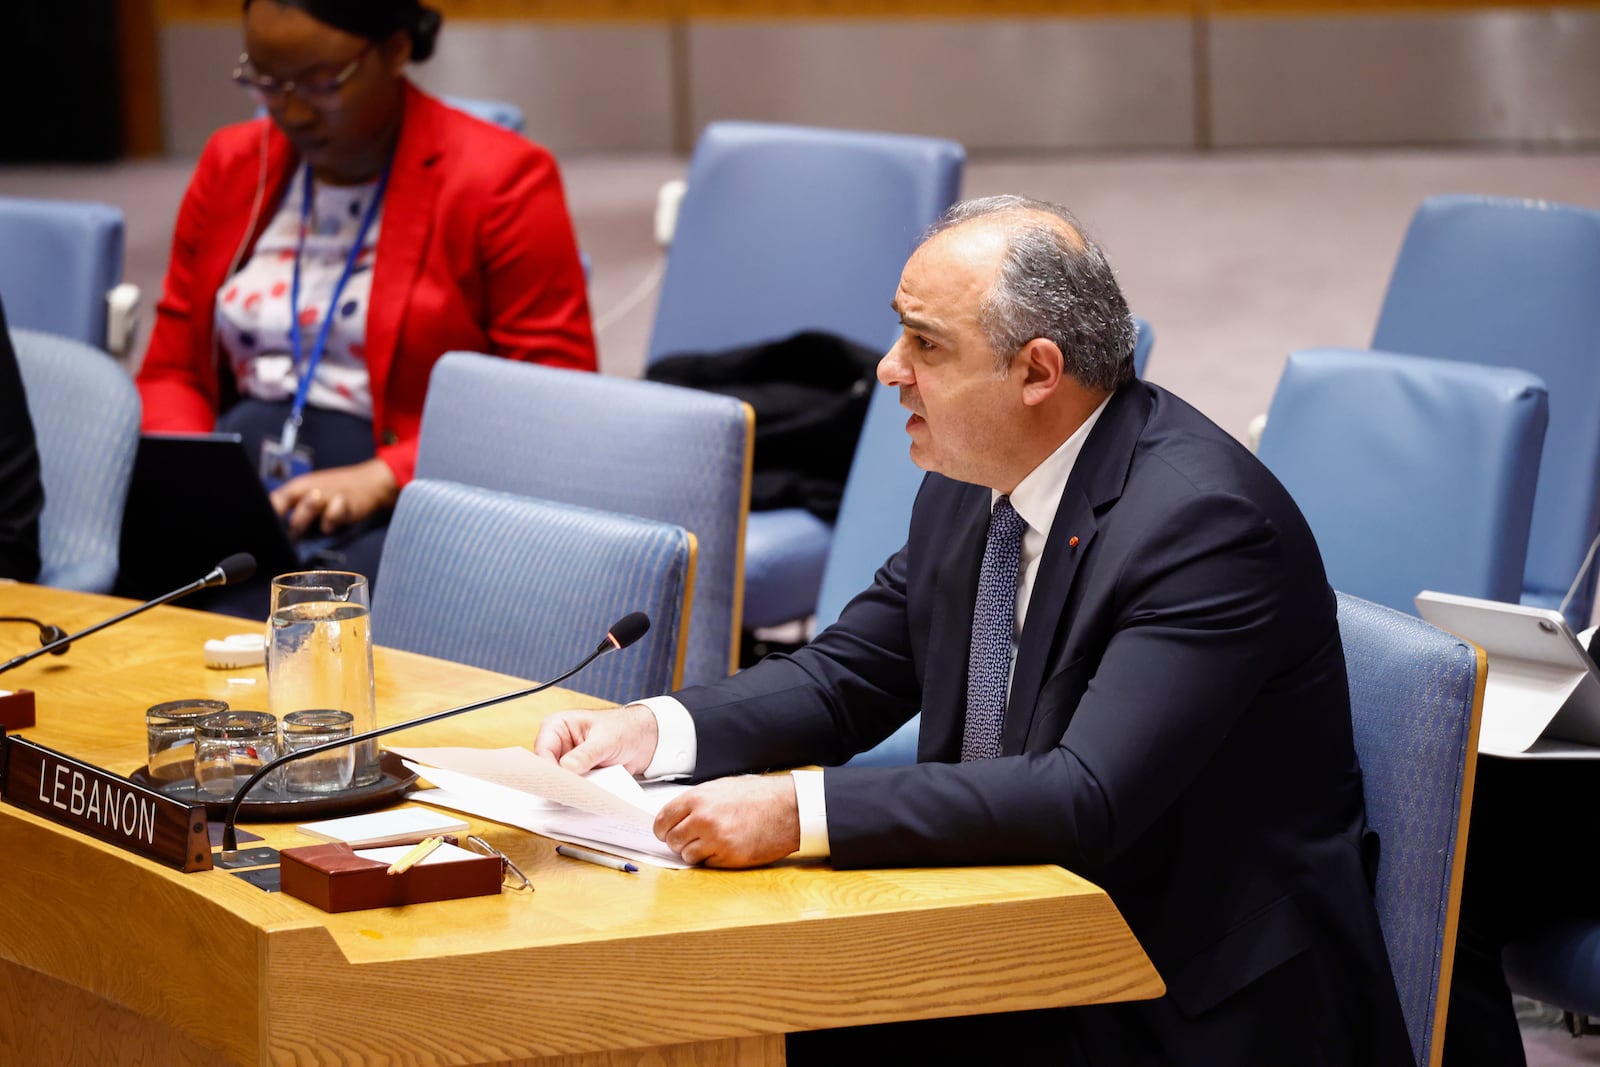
1546, 1041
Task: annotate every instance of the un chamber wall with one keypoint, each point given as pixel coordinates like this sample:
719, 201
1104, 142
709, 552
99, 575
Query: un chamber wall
1000, 75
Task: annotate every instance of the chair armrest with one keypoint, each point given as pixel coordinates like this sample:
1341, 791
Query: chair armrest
122, 318
1252, 435
669, 198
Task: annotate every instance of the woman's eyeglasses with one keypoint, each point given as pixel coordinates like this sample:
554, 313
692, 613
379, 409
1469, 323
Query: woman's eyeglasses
511, 875
316, 91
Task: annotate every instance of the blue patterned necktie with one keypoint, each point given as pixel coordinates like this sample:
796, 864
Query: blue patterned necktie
994, 621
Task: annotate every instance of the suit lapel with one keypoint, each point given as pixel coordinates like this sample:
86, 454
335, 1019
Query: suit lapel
407, 219
1057, 568
944, 691
1097, 478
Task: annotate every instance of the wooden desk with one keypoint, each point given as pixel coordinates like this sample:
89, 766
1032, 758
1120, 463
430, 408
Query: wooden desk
106, 957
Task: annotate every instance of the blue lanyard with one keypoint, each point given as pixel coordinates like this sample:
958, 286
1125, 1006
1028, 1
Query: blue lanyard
291, 426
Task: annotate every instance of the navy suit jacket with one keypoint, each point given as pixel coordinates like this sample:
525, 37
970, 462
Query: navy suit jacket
1178, 732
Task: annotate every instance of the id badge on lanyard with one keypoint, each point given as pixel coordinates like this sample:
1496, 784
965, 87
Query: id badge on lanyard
286, 457
283, 459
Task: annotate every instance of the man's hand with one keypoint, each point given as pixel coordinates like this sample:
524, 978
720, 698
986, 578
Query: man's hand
733, 822
583, 740
335, 497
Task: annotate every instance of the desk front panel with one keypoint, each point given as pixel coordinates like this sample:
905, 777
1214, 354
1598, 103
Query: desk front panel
718, 964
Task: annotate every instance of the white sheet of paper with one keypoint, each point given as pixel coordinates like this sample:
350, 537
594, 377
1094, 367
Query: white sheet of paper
617, 813
518, 768
535, 815
486, 794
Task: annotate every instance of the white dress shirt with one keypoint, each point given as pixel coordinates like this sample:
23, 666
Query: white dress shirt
1035, 498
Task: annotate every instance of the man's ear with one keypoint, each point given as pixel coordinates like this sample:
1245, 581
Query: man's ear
1043, 369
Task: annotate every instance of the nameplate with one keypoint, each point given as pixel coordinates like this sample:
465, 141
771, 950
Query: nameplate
104, 805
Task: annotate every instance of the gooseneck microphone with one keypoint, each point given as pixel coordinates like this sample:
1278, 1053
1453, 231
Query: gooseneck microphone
236, 568
48, 634
624, 632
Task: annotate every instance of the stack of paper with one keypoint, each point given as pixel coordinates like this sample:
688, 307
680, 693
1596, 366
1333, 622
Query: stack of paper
605, 809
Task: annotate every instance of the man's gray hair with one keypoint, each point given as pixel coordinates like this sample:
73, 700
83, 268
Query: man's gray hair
1054, 283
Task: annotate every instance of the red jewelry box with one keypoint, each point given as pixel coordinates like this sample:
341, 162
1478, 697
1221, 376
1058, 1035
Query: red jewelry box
334, 878
16, 710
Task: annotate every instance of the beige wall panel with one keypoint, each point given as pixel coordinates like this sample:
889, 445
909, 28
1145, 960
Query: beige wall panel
196, 95
582, 87
991, 84
1472, 77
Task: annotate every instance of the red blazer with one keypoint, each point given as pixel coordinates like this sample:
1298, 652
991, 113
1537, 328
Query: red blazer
476, 252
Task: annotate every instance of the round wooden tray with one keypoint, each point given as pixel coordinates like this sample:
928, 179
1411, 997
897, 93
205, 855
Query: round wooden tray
267, 804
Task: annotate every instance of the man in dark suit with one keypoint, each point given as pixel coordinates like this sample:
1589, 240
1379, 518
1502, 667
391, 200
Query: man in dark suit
1174, 724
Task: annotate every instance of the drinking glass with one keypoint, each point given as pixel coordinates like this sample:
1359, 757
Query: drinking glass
230, 746
326, 772
319, 654
170, 727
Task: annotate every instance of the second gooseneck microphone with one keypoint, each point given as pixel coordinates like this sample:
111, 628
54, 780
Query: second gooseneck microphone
236, 568
49, 633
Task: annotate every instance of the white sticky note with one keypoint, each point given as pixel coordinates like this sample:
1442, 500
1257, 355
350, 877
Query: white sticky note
397, 826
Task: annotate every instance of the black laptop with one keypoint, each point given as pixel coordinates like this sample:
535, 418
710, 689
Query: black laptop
194, 500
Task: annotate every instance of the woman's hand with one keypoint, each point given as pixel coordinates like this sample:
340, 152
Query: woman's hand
335, 497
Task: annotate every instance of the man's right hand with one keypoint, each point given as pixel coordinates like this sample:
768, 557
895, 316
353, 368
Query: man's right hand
583, 740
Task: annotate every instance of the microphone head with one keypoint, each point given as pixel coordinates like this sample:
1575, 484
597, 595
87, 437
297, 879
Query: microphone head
236, 568
628, 629
49, 633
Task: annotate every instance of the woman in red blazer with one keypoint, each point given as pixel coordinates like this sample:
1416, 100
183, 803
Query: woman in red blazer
381, 227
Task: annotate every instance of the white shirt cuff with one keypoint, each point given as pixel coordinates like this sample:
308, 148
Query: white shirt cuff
676, 742
813, 803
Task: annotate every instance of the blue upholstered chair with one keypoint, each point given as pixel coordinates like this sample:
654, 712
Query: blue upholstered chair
85, 413
500, 112
874, 514
1416, 698
1145, 341
1413, 473
791, 228
875, 511
529, 587
640, 448
63, 259
1513, 283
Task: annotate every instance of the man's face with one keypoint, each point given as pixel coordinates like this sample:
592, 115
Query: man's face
963, 413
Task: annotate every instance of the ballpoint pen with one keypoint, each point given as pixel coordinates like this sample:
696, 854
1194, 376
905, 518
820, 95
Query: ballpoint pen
573, 852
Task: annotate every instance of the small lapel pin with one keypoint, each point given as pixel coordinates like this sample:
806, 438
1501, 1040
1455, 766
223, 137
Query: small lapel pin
1072, 542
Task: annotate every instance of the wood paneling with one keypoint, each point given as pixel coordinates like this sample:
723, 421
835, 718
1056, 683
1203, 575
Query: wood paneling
139, 77
663, 10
